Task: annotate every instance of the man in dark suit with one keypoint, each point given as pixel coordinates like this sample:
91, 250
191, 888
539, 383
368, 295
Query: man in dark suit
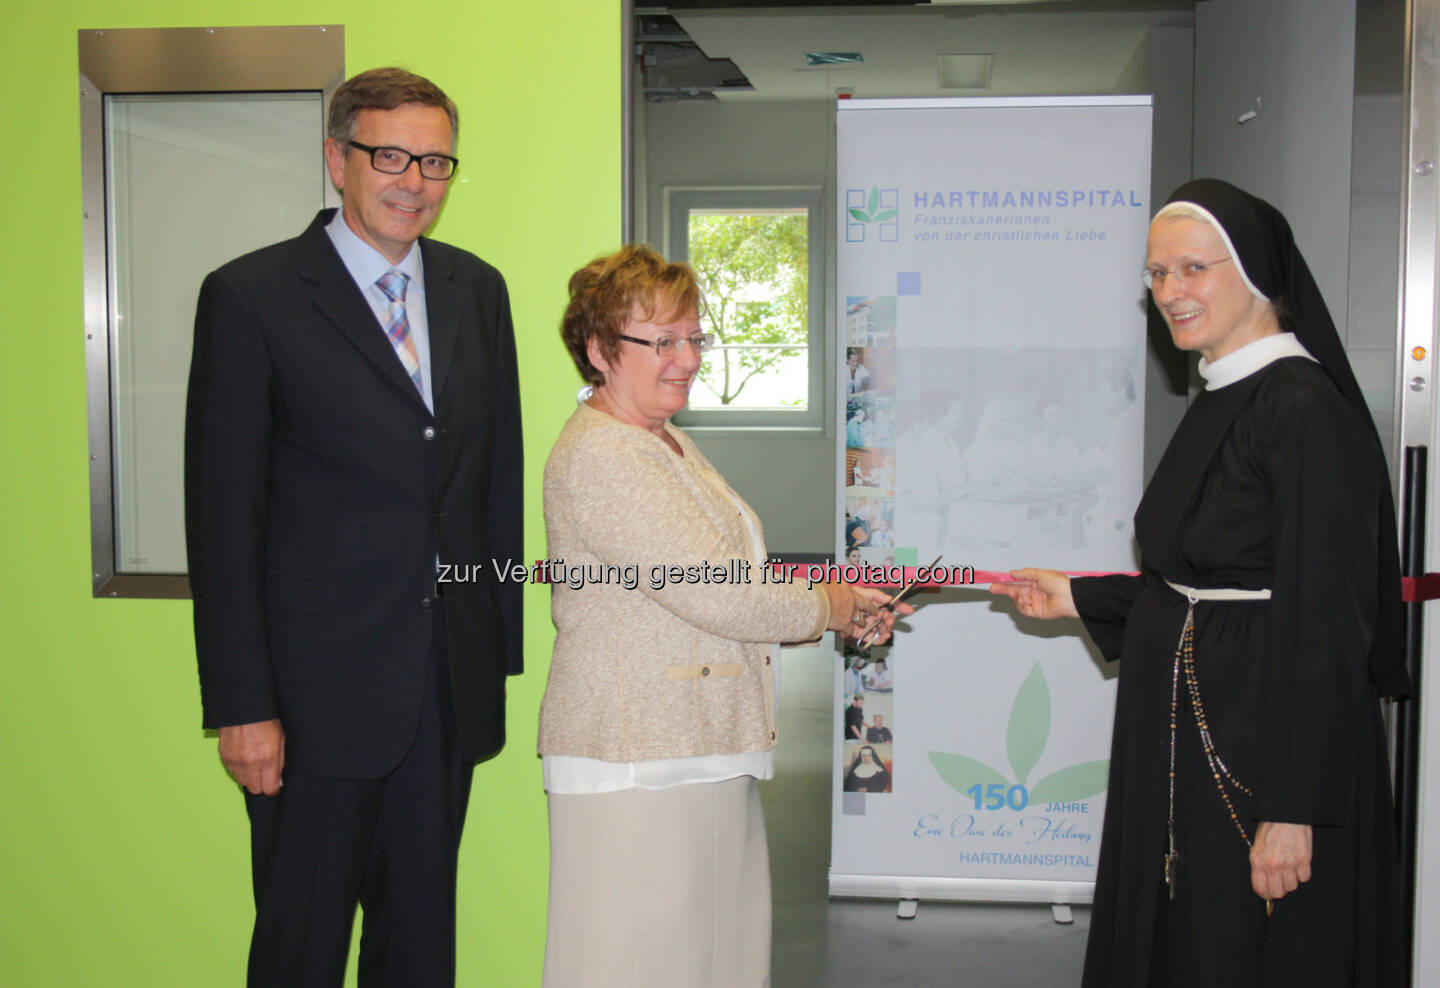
855, 719
353, 423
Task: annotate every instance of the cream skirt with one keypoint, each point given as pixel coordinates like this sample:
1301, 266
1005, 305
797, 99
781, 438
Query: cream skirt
667, 888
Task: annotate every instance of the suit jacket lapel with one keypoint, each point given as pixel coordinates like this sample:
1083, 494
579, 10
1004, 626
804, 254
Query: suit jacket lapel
340, 301
442, 309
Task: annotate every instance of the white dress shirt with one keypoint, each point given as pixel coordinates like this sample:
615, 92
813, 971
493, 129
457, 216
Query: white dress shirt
367, 266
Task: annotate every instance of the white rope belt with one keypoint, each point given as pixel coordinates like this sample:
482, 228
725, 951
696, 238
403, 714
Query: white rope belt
1194, 594
1184, 669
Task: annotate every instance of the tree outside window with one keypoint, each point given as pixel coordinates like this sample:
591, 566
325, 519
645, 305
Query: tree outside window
754, 265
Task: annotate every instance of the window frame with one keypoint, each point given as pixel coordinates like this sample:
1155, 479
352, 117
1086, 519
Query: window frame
165, 61
813, 419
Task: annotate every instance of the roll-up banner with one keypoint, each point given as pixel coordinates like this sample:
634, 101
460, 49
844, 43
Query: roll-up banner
988, 271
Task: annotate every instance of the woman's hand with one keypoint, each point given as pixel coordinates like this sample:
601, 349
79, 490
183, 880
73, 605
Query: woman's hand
853, 610
1039, 593
1280, 858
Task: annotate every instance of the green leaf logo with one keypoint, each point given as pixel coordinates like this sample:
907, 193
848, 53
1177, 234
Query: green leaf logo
872, 213
1072, 784
961, 773
1029, 725
1026, 738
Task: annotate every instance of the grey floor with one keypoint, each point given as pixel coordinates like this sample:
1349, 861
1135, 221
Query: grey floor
819, 941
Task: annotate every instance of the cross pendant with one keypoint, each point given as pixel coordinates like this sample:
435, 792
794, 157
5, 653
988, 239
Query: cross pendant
1172, 871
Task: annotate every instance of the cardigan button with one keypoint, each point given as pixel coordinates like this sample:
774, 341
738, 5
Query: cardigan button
704, 670
767, 660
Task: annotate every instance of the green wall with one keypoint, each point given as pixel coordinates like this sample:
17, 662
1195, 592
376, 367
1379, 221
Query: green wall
123, 846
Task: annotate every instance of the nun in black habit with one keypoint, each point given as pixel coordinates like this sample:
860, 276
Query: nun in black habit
1256, 641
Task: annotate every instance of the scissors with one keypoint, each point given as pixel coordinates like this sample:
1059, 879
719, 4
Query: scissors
863, 643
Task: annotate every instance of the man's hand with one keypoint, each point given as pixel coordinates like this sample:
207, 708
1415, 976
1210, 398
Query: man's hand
1280, 858
254, 755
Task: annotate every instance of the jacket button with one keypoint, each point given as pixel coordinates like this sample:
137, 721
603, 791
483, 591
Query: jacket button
704, 670
426, 601
428, 432
767, 660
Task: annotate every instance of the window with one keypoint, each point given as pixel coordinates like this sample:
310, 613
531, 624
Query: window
198, 145
759, 258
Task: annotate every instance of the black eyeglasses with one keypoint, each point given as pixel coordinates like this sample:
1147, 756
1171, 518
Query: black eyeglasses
396, 161
667, 345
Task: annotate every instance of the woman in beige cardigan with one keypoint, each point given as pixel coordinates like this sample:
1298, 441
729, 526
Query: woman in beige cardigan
659, 714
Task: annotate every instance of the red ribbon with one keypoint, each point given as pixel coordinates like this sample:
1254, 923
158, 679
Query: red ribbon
1414, 589
877, 575
873, 574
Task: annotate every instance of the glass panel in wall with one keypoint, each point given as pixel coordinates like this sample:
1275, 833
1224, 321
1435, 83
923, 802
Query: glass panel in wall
192, 181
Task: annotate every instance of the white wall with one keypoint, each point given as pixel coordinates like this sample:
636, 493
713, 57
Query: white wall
1369, 326
787, 477
1169, 70
1298, 57
1329, 160
1377, 173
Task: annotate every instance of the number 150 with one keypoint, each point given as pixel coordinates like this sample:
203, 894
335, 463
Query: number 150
996, 797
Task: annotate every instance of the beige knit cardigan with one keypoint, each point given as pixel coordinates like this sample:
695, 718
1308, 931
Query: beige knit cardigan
648, 673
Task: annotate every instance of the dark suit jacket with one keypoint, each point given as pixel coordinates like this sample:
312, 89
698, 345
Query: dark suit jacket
319, 491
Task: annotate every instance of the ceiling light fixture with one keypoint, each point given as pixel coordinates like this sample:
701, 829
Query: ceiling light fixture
833, 57
965, 71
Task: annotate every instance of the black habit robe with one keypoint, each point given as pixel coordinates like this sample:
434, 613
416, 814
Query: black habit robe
1272, 481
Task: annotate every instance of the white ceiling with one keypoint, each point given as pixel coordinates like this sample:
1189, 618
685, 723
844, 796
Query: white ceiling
1045, 52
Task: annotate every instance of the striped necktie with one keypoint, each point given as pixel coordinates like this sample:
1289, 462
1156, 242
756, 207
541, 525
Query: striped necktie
397, 325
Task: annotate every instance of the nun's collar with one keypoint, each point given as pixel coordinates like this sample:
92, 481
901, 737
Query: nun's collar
1240, 364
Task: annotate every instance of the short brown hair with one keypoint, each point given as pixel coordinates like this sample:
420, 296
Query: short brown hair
606, 293
384, 89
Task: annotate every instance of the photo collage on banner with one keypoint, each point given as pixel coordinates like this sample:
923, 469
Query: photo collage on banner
867, 755
1000, 452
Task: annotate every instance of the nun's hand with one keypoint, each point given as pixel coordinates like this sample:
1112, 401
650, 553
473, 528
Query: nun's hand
1039, 593
1280, 858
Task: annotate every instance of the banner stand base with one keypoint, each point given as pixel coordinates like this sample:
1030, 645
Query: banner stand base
842, 886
